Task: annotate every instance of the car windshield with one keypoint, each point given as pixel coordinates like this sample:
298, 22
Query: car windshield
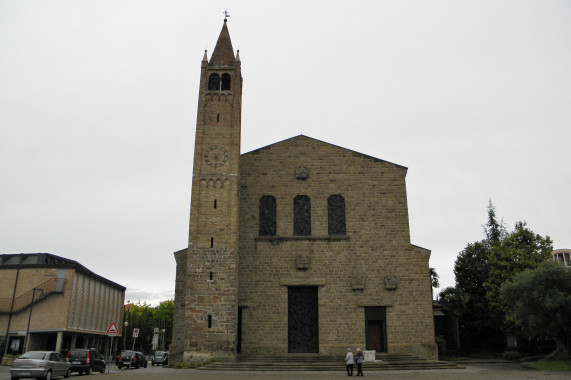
33, 355
127, 353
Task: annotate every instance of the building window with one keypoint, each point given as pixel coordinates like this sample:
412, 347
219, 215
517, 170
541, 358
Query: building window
225, 82
336, 215
301, 216
267, 216
214, 82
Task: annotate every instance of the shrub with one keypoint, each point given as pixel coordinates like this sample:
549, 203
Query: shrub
180, 365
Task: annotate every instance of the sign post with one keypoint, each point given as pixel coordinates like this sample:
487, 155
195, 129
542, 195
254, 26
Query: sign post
112, 331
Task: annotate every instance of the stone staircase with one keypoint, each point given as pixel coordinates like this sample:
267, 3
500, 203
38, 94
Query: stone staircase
314, 362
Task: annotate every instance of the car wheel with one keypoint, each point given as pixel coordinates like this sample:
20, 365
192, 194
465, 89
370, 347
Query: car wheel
68, 374
145, 365
48, 376
90, 371
102, 369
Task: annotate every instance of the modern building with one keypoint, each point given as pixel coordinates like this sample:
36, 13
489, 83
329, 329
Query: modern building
562, 256
56, 303
299, 247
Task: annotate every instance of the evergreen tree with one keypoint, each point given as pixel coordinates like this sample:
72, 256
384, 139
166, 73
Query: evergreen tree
520, 250
539, 301
481, 269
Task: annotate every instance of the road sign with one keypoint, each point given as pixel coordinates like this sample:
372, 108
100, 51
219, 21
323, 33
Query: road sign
113, 330
135, 333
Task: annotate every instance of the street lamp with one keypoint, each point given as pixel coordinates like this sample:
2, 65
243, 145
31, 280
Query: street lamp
125, 332
27, 339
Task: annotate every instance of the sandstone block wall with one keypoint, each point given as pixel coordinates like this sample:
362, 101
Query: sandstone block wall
350, 271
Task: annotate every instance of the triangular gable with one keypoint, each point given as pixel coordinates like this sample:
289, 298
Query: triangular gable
298, 137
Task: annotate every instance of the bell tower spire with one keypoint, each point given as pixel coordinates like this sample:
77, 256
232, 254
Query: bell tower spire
206, 294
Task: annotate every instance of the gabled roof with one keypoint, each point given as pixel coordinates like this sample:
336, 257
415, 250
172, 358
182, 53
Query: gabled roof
374, 159
223, 52
47, 260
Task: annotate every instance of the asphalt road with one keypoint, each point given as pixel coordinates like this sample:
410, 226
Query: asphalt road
489, 371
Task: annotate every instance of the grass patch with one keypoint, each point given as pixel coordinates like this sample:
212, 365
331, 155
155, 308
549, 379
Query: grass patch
550, 365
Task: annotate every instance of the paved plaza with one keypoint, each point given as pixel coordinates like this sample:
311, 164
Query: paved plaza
476, 371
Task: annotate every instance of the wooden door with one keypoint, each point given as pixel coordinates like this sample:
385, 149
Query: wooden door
303, 321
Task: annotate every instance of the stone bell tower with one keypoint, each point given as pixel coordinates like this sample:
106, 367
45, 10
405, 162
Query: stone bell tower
206, 294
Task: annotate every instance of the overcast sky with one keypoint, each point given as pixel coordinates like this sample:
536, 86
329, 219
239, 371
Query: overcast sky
98, 107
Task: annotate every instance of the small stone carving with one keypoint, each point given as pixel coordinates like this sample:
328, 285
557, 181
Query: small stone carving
301, 172
302, 261
390, 282
358, 281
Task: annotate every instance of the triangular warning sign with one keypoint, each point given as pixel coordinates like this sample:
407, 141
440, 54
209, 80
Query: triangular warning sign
112, 329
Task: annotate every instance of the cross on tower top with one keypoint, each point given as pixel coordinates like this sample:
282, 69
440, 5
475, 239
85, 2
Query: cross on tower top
226, 14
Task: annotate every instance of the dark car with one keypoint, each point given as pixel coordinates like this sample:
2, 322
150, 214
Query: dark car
160, 357
86, 361
118, 356
132, 359
40, 364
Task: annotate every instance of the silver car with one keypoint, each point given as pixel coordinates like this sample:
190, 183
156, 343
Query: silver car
40, 364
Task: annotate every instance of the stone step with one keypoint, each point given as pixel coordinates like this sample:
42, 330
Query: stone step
325, 363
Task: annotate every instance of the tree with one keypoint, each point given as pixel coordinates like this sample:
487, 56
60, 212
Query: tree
453, 301
146, 318
539, 300
520, 250
434, 280
495, 231
482, 267
479, 331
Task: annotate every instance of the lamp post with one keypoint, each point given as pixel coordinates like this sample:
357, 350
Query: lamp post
125, 333
27, 339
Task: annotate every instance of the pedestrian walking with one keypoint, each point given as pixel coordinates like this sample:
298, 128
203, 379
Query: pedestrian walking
349, 361
359, 360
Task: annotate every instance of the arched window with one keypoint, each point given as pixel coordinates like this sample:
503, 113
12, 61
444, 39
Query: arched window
336, 215
226, 82
214, 82
301, 216
267, 216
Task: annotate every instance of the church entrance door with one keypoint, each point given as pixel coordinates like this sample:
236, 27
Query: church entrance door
375, 324
303, 322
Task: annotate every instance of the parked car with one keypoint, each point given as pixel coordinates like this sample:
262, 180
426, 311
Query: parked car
160, 357
86, 361
132, 359
40, 364
118, 356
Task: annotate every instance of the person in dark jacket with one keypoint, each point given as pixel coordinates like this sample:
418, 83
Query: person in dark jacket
359, 360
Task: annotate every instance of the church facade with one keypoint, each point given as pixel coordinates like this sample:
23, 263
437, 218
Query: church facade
299, 247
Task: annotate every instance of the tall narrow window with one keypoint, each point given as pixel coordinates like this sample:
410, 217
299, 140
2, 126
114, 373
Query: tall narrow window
226, 82
215, 203
267, 216
210, 321
302, 215
336, 215
217, 117
212, 242
214, 82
